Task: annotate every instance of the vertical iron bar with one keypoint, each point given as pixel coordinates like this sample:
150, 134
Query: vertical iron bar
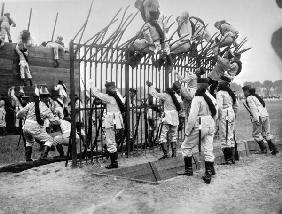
127, 107
72, 92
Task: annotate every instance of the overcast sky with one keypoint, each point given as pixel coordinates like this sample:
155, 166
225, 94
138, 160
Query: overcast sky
255, 19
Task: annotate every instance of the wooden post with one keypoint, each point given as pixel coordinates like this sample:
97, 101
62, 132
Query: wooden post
72, 93
54, 27
2, 10
30, 13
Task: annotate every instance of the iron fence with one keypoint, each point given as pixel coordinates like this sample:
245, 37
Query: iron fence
103, 64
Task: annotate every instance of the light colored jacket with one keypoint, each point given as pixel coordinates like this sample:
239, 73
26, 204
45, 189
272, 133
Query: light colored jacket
113, 115
170, 112
256, 108
224, 102
199, 108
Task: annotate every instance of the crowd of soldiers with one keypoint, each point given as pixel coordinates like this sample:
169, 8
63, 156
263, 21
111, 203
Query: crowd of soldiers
201, 103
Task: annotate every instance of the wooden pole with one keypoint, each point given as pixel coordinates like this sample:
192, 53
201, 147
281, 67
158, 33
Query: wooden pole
54, 26
30, 13
2, 10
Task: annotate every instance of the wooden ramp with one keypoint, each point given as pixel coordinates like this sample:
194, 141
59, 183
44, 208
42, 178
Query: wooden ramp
153, 172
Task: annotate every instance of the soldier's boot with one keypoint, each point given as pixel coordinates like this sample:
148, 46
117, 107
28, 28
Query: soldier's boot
164, 149
188, 170
45, 152
273, 149
173, 149
30, 81
232, 155
212, 168
28, 152
56, 63
262, 147
226, 154
114, 162
208, 173
60, 150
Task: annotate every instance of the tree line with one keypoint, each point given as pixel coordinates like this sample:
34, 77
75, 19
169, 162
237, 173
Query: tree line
266, 88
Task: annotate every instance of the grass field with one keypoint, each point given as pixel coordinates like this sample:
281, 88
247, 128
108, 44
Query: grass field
10, 154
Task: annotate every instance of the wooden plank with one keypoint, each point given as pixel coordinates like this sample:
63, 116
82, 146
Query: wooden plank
8, 51
6, 64
140, 171
46, 53
36, 61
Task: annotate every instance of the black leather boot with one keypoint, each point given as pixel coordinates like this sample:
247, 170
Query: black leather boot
114, 162
272, 147
60, 150
188, 170
45, 152
208, 175
173, 149
164, 149
30, 82
262, 147
28, 152
212, 168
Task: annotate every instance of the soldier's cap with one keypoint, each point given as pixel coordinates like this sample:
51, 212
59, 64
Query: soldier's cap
247, 87
176, 85
60, 82
203, 80
132, 90
43, 92
110, 85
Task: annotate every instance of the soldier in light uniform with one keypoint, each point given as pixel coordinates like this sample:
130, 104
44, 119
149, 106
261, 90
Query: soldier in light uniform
229, 35
34, 127
227, 110
260, 120
201, 107
113, 117
187, 92
6, 21
172, 105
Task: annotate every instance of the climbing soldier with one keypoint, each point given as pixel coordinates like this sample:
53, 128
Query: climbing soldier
172, 105
260, 120
200, 130
113, 118
227, 109
35, 114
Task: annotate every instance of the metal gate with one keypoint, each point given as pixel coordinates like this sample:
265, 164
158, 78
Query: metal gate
104, 60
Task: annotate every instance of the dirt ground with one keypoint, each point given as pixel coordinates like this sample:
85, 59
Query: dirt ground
253, 185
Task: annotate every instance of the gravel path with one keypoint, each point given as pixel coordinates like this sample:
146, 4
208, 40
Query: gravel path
253, 185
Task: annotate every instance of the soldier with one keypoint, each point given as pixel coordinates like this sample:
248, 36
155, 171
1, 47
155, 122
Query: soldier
227, 110
229, 35
21, 49
34, 127
172, 105
6, 21
188, 92
57, 46
200, 119
113, 118
260, 120
2, 118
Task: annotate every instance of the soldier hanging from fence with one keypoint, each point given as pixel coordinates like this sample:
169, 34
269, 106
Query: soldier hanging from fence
152, 34
35, 114
113, 117
21, 49
227, 65
61, 96
255, 105
228, 36
227, 110
200, 130
170, 121
5, 22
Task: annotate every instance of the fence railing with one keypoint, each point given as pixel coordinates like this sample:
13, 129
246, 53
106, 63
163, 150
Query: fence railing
110, 64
